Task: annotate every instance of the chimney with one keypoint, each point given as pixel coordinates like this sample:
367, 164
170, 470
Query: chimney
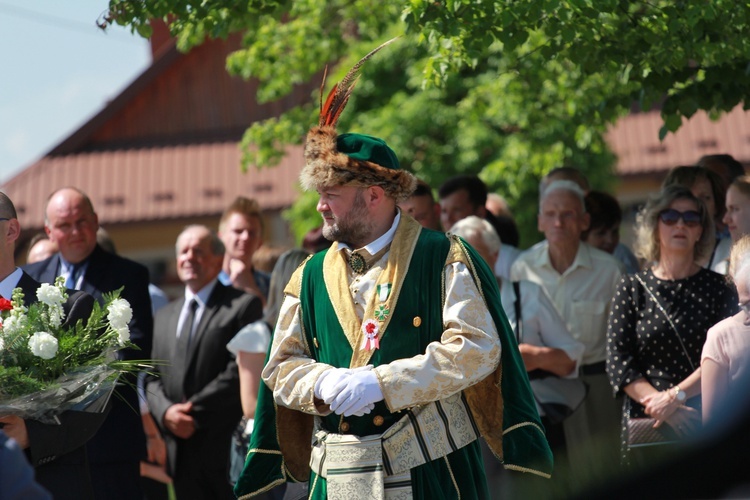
160, 37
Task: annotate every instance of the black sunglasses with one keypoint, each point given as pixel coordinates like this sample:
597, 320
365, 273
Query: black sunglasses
690, 218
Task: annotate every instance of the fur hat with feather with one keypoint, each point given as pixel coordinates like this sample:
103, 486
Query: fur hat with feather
351, 159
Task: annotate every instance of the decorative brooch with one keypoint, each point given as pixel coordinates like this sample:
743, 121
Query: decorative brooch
371, 329
357, 263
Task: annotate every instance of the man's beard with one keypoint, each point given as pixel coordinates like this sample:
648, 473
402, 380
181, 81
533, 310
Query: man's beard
354, 227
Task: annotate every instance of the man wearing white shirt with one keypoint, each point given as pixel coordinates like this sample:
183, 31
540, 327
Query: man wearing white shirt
551, 355
580, 280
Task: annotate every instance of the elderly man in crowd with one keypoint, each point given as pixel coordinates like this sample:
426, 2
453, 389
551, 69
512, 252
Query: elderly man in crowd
581, 281
195, 400
551, 355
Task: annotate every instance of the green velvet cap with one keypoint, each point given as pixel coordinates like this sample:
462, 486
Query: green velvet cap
367, 148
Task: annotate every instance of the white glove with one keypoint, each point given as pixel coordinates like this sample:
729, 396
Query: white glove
356, 393
364, 411
327, 381
325, 386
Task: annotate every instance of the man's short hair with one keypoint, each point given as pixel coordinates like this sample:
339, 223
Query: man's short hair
604, 209
569, 186
423, 189
473, 185
243, 206
7, 209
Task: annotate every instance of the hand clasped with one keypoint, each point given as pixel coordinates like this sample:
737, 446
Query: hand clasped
349, 392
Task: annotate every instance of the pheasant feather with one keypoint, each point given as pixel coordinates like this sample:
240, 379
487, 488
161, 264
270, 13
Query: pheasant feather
340, 93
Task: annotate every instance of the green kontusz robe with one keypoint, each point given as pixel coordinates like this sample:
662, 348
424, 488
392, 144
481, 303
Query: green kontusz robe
502, 405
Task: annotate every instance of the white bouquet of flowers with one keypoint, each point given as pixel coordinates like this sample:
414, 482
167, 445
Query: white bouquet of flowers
46, 368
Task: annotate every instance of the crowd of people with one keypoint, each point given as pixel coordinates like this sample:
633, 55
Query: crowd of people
411, 349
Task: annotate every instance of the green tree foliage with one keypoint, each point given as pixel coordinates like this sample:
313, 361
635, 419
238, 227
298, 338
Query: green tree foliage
504, 89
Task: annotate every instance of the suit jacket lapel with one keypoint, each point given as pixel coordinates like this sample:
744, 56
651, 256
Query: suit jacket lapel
29, 286
173, 322
96, 271
180, 362
50, 272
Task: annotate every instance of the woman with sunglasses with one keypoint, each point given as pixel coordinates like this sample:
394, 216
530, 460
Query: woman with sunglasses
660, 316
710, 188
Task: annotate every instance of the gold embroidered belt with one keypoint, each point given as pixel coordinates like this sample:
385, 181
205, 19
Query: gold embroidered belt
378, 466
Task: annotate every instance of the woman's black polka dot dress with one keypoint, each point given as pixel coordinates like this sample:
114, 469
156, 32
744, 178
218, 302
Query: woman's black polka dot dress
642, 344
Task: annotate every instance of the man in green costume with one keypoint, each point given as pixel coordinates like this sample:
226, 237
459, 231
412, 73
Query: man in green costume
392, 354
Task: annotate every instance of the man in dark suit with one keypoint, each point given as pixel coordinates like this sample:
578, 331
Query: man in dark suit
71, 222
196, 397
57, 452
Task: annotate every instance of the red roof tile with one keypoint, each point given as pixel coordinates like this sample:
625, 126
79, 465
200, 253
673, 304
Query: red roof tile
635, 141
155, 183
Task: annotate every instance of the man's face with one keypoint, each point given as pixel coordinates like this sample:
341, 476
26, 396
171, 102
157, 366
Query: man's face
241, 236
72, 225
457, 206
561, 218
424, 210
345, 215
197, 264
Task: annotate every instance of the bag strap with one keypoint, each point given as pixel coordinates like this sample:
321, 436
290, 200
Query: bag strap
517, 308
666, 315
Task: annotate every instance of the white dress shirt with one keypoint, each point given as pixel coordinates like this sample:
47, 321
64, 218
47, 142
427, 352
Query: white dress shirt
10, 283
582, 294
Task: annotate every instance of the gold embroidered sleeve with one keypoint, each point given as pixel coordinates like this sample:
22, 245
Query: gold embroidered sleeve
468, 350
290, 372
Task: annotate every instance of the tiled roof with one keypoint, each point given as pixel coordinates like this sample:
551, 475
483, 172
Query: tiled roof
635, 141
155, 183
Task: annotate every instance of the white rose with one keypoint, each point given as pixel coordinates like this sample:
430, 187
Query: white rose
50, 295
2, 344
119, 313
43, 344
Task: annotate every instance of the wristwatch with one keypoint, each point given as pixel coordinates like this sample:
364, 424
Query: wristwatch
678, 394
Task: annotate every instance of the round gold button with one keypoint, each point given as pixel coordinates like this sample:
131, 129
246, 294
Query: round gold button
417, 321
344, 426
378, 420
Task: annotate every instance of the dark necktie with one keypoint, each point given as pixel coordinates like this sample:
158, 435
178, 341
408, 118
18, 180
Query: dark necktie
186, 333
73, 275
180, 360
